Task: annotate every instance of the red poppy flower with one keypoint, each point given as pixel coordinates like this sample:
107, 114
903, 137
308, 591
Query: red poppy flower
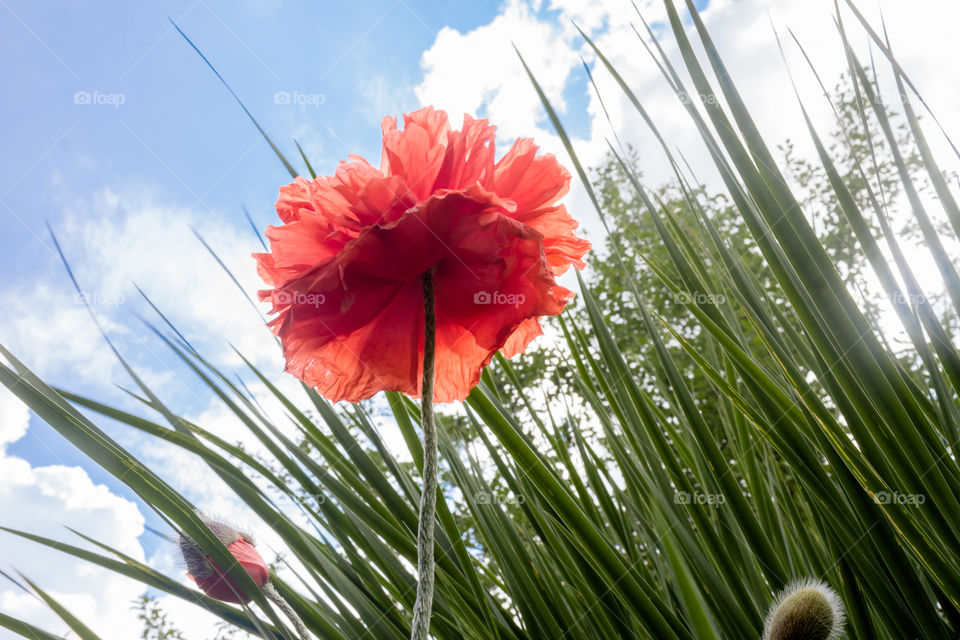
217, 585
345, 266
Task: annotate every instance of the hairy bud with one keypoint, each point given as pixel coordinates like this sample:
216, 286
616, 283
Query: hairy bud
209, 577
805, 610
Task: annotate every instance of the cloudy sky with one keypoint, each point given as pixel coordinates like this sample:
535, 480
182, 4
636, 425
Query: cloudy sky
119, 137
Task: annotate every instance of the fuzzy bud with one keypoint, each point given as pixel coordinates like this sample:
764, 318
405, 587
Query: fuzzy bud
805, 610
209, 577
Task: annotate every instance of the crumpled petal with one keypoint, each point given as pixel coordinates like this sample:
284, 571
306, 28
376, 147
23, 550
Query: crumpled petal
535, 183
345, 268
469, 156
416, 152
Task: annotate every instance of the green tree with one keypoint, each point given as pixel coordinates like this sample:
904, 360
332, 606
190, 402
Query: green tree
156, 624
635, 236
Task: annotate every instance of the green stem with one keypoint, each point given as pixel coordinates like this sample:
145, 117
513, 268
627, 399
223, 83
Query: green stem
274, 596
428, 499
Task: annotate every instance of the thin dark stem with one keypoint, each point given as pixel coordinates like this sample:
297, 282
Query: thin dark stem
428, 500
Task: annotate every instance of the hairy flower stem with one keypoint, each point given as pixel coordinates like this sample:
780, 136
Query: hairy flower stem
428, 500
274, 596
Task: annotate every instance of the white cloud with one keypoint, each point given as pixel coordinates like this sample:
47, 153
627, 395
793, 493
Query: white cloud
44, 500
14, 418
478, 72
47, 327
383, 94
47, 499
130, 236
114, 239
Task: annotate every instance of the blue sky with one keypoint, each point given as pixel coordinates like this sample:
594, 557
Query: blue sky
108, 97
164, 121
157, 117
177, 128
109, 94
117, 135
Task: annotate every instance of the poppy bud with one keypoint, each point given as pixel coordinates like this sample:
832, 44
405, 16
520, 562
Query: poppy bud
209, 577
805, 610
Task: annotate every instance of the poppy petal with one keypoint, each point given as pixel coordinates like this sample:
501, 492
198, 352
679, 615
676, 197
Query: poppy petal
346, 265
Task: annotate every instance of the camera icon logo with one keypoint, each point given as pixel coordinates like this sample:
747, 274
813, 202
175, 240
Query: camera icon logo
281, 97
81, 97
482, 297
